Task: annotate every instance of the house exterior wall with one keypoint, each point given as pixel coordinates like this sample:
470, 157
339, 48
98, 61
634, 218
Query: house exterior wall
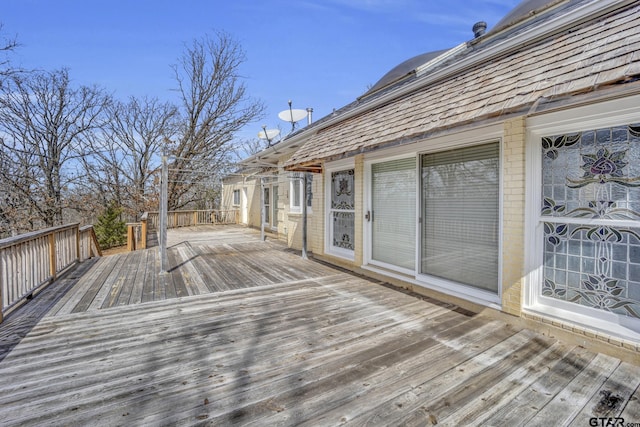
551, 86
289, 224
316, 224
515, 208
252, 187
360, 211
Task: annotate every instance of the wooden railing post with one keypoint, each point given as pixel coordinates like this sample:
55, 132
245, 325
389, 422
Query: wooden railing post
52, 255
78, 256
195, 217
131, 237
143, 237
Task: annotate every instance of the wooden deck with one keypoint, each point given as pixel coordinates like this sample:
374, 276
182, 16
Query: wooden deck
243, 332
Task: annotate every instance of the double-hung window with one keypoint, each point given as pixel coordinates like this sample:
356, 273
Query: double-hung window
588, 222
296, 194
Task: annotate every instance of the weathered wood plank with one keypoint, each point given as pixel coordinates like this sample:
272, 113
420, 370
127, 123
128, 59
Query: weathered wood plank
527, 404
21, 322
498, 395
335, 404
567, 404
137, 284
85, 283
307, 364
121, 279
435, 396
93, 284
612, 397
192, 277
210, 276
267, 346
631, 412
176, 275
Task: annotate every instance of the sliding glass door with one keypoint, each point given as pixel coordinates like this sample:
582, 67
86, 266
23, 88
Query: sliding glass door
393, 213
460, 215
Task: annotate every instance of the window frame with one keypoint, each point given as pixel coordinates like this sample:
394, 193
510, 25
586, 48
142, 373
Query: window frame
597, 116
368, 225
295, 183
468, 292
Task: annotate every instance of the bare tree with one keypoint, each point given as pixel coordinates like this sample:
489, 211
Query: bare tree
45, 123
126, 156
214, 106
6, 46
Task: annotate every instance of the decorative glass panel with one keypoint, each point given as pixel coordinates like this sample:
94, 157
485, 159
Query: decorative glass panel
593, 175
341, 211
343, 230
342, 191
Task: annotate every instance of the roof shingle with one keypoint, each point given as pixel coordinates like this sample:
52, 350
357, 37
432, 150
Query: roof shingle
598, 53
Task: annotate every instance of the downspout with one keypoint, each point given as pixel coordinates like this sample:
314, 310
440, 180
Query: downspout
262, 213
305, 180
304, 216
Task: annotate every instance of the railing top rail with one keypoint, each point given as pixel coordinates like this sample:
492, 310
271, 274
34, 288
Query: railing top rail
192, 210
11, 241
86, 227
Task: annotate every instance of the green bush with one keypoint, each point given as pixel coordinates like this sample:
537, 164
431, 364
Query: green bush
110, 229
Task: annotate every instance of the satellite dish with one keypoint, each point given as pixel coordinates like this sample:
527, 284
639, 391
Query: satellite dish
268, 134
292, 115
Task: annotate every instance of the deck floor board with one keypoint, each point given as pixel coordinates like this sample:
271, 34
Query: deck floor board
245, 332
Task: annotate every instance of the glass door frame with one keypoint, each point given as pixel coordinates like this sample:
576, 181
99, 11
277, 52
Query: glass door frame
368, 224
329, 226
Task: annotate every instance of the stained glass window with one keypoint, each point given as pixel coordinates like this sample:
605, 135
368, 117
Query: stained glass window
590, 205
342, 211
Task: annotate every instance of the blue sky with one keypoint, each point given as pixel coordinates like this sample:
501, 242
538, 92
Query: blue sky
318, 53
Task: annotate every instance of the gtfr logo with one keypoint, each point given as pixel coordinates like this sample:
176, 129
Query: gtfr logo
606, 422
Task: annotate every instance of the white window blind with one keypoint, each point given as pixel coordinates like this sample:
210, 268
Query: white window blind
393, 213
460, 218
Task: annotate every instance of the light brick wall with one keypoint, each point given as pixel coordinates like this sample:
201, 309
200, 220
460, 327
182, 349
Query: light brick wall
513, 215
315, 230
359, 206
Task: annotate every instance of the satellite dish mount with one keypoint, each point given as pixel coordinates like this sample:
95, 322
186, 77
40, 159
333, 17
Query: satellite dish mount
268, 134
292, 116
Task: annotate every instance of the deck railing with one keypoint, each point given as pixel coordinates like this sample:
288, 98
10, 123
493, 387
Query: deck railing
137, 231
32, 260
194, 217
